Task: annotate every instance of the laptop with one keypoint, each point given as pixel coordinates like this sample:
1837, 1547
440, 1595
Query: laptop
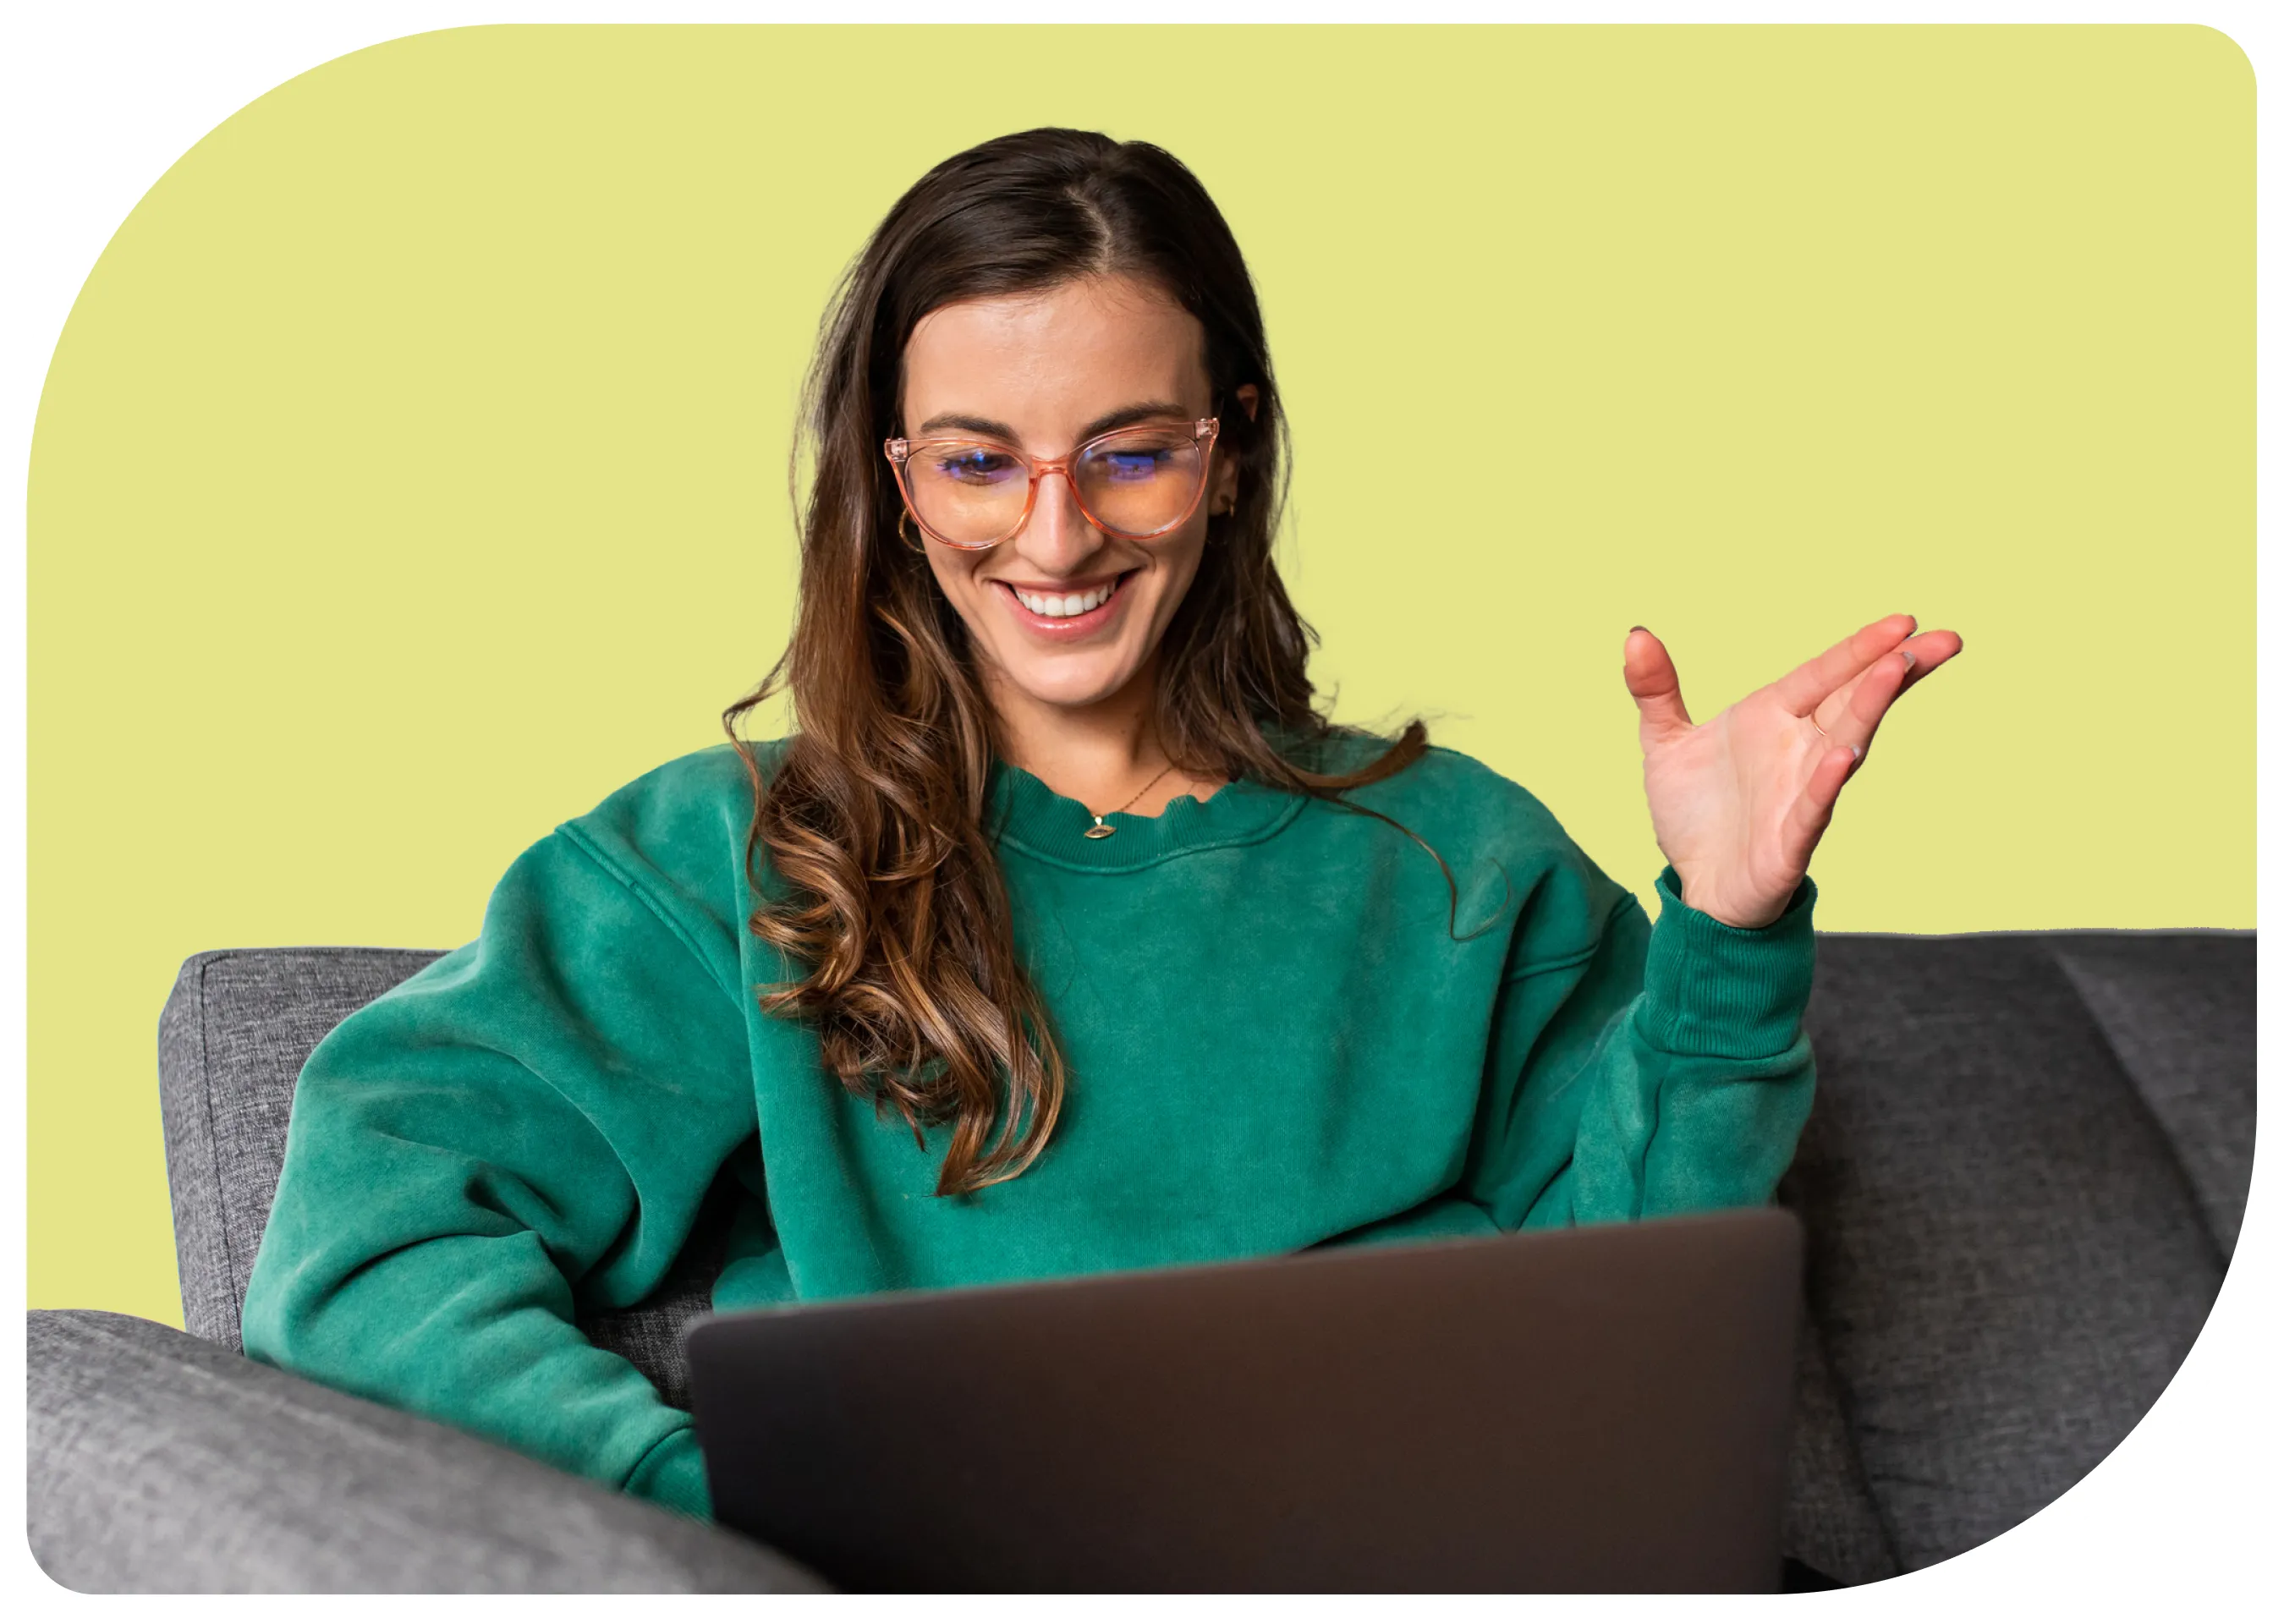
1598, 1409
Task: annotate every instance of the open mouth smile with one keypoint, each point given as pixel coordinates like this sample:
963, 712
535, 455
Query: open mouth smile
1072, 612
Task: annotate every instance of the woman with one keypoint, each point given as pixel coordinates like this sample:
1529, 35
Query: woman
1062, 934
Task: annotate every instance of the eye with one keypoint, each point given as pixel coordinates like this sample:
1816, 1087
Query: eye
1133, 464
972, 465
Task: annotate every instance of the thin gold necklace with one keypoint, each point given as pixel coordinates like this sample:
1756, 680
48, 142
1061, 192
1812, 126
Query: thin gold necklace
1102, 831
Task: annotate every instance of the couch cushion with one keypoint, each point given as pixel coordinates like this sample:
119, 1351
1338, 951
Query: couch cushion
2005, 1258
2178, 1010
231, 1041
1831, 1524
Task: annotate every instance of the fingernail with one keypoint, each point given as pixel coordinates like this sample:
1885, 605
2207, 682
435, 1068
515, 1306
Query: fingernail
1910, 659
1630, 630
1859, 749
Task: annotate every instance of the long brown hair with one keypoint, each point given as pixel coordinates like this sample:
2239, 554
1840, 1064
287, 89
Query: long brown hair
881, 882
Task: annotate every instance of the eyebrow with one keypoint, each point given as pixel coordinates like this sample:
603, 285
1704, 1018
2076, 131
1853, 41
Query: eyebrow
1141, 412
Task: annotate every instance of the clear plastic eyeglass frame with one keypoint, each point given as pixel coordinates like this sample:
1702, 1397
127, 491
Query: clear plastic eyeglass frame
1204, 431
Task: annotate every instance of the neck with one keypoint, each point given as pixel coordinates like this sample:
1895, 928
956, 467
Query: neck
1097, 753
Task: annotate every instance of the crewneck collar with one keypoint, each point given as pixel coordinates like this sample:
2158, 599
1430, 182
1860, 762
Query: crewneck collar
1025, 813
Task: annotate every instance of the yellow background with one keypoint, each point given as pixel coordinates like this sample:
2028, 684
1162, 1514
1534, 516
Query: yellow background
412, 469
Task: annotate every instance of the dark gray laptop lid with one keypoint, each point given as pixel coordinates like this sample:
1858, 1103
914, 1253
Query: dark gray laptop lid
1588, 1410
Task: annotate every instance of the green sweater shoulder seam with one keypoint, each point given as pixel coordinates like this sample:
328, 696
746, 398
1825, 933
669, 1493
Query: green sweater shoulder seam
585, 844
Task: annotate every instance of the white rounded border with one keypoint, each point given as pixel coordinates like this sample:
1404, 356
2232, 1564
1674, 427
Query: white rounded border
2037, 1534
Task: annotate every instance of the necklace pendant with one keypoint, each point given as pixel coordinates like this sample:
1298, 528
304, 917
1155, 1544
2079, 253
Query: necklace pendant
1100, 832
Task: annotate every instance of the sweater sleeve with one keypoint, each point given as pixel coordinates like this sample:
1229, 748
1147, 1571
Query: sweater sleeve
523, 1130
1651, 1071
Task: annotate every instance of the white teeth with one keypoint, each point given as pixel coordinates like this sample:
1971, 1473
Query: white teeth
1056, 607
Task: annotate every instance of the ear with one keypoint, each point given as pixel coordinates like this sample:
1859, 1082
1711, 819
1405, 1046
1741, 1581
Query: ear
1224, 496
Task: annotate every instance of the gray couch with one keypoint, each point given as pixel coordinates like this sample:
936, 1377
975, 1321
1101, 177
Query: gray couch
2021, 1182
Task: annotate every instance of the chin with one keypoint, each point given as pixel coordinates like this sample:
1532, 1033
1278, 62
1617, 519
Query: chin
1072, 683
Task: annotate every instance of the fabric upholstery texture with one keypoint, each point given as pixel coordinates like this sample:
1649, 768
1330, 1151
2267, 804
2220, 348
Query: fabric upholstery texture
231, 1039
2176, 1010
159, 1462
1831, 1523
2006, 1257
2024, 1174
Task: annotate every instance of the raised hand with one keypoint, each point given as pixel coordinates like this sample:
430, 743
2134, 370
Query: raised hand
1739, 803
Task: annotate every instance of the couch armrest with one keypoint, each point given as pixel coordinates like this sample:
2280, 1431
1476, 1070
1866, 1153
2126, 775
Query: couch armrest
158, 1462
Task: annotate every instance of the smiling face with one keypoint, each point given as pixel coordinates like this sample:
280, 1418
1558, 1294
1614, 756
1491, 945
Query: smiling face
1062, 615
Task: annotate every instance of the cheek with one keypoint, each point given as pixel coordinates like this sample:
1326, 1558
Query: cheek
954, 572
1179, 559
956, 580
1186, 549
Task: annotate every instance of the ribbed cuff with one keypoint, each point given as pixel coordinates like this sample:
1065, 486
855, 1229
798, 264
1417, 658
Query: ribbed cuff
673, 1474
1710, 988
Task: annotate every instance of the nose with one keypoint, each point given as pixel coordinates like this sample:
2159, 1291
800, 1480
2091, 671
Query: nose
1057, 539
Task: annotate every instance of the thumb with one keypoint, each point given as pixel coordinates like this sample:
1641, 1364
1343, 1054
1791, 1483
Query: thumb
1655, 686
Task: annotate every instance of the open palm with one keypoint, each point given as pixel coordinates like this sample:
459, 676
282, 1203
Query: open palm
1737, 803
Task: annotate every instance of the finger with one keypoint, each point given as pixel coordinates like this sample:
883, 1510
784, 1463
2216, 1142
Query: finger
1810, 814
1929, 650
1878, 688
1873, 694
1808, 685
1656, 685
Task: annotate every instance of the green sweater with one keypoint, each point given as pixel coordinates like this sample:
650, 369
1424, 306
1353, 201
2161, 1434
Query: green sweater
1275, 1039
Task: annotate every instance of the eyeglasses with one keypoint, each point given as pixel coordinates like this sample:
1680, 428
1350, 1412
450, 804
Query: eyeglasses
1132, 483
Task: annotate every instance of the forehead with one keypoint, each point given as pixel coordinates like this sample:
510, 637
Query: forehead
1047, 362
